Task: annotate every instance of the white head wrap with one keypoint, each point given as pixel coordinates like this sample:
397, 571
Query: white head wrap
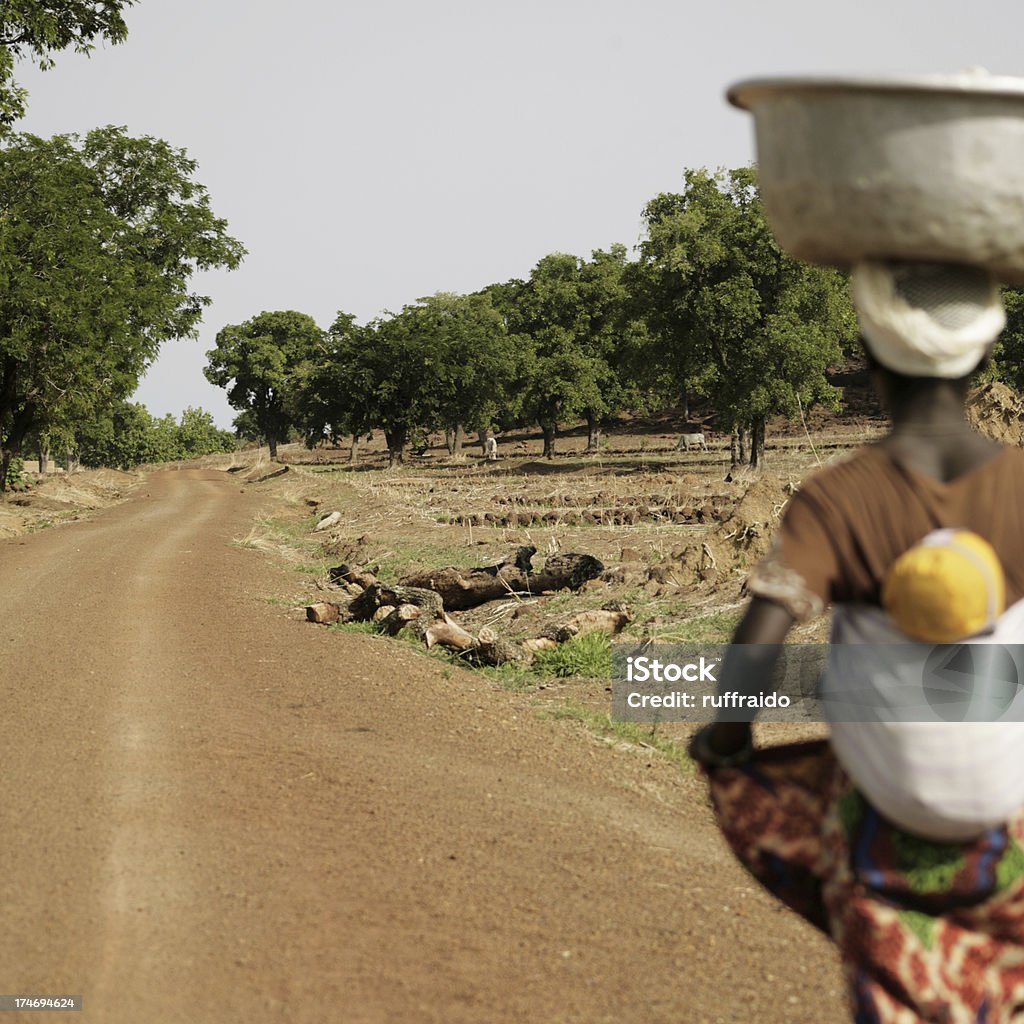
927, 319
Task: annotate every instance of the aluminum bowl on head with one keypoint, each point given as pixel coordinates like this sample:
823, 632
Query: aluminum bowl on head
926, 168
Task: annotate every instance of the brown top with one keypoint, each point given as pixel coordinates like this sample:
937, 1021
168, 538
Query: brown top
845, 527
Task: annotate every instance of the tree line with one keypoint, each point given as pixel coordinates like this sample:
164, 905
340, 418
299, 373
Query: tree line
709, 305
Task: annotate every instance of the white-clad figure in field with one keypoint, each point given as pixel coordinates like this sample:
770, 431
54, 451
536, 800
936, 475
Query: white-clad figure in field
688, 441
491, 448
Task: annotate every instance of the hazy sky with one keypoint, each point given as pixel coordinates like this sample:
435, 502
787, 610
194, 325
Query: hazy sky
370, 153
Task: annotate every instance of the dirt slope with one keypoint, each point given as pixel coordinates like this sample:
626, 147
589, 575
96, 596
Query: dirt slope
215, 813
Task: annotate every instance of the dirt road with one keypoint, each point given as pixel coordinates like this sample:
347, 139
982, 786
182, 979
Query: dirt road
212, 812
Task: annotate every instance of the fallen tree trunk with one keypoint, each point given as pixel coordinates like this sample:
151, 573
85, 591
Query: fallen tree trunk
324, 612
467, 588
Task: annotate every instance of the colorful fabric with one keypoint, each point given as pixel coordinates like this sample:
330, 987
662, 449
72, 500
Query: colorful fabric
928, 931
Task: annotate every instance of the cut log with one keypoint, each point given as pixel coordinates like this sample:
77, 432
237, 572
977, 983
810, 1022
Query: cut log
540, 643
398, 618
493, 651
364, 607
468, 588
450, 634
362, 578
324, 612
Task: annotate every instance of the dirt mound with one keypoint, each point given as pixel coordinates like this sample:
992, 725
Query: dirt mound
58, 497
742, 539
997, 411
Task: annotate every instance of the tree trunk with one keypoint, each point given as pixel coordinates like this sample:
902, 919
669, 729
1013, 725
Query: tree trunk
742, 444
757, 442
468, 588
593, 432
6, 455
396, 440
734, 449
457, 438
43, 453
272, 445
549, 441
353, 455
685, 403
449, 440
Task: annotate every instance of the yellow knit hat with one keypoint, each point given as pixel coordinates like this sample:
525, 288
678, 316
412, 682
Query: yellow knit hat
948, 587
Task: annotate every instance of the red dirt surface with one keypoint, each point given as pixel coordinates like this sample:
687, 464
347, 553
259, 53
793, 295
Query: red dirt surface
215, 813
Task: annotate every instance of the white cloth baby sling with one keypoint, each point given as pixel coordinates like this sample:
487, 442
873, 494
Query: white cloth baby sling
932, 736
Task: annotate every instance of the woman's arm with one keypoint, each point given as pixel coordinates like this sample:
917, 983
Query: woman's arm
749, 661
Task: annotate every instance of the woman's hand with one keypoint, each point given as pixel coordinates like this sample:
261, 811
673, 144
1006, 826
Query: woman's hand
722, 744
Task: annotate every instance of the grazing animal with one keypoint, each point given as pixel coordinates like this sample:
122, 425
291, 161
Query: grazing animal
491, 449
688, 441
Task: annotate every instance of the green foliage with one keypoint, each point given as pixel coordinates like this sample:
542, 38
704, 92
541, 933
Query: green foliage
129, 436
573, 319
730, 314
645, 736
442, 361
98, 241
262, 363
475, 362
35, 29
14, 475
1008, 353
587, 655
198, 435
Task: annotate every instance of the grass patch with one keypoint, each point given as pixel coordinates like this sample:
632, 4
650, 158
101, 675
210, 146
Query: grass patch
587, 655
406, 558
716, 628
602, 724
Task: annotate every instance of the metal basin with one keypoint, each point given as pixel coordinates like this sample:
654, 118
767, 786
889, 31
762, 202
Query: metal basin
927, 168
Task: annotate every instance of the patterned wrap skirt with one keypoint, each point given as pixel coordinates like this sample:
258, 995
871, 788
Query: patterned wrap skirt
928, 931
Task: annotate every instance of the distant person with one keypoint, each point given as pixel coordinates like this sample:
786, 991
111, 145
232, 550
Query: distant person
902, 840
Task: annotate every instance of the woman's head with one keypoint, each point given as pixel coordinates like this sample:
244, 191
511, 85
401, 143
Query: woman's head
921, 320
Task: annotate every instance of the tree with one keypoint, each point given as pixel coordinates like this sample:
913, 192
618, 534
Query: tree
614, 333
473, 361
1008, 353
128, 435
385, 376
38, 28
568, 374
332, 388
261, 362
731, 312
98, 241
444, 361
197, 434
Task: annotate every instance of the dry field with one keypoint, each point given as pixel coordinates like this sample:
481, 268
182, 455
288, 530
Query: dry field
676, 532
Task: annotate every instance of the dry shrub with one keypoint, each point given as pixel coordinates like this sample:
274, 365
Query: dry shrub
997, 411
742, 539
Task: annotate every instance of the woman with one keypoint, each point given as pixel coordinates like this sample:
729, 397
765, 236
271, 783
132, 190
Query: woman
926, 901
